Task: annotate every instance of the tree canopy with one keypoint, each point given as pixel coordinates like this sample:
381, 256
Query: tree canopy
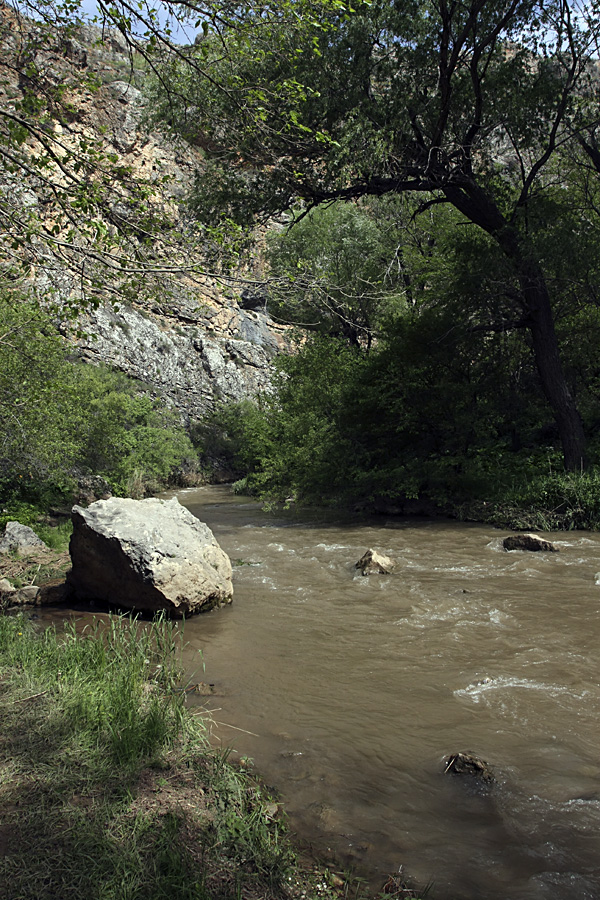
482, 108
477, 104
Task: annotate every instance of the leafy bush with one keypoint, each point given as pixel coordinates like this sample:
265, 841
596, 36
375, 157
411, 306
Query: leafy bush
127, 437
61, 418
289, 443
556, 501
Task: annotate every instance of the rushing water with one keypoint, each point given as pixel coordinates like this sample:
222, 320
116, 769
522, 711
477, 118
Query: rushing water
355, 688
349, 691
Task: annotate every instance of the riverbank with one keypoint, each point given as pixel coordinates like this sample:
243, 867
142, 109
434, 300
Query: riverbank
109, 787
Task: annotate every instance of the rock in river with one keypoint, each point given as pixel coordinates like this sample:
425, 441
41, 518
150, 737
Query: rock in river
528, 542
147, 555
469, 764
374, 562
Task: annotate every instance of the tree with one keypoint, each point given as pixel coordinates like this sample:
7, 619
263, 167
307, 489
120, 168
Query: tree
467, 102
337, 269
60, 418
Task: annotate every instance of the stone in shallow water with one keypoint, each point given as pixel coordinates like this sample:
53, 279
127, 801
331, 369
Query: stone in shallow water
374, 562
471, 765
529, 541
147, 555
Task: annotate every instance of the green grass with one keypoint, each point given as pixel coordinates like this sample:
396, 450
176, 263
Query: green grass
109, 789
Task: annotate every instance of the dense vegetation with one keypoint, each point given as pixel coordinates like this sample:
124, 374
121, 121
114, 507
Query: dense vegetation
449, 295
63, 420
437, 405
456, 277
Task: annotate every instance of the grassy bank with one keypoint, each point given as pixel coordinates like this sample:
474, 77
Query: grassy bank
109, 789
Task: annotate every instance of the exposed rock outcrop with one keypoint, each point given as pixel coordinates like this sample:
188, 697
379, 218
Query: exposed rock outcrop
178, 329
532, 542
185, 363
147, 555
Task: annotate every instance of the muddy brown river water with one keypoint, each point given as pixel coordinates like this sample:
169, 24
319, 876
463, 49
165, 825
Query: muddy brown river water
355, 688
351, 690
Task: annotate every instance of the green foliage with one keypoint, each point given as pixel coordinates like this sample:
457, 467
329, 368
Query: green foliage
60, 417
487, 108
115, 685
245, 826
230, 437
325, 99
127, 436
109, 788
420, 417
338, 268
39, 425
557, 501
290, 443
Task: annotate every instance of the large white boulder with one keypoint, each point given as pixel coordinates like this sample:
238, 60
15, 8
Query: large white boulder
148, 555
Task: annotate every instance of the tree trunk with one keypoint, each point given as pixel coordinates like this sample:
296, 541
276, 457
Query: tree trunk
549, 366
482, 211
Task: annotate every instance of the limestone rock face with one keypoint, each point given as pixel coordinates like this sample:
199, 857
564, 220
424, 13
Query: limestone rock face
186, 366
20, 538
183, 336
531, 542
376, 563
147, 555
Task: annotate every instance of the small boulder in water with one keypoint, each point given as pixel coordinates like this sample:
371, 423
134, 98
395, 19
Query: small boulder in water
376, 563
530, 541
469, 764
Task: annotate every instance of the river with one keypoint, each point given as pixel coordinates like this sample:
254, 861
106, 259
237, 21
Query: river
349, 691
355, 688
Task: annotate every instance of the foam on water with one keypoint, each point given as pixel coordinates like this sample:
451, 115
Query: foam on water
479, 689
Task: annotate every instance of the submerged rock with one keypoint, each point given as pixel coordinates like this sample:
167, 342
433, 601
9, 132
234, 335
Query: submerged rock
147, 555
376, 563
469, 764
532, 542
20, 538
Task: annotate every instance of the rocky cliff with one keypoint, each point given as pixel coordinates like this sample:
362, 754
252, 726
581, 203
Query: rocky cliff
177, 328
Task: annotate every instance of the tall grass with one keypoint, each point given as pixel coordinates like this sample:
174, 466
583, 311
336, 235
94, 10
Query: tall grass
113, 682
556, 501
109, 789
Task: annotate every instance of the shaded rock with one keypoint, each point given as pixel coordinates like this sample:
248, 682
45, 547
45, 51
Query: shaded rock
375, 563
18, 598
74, 51
53, 593
91, 488
530, 541
147, 555
469, 764
20, 538
29, 594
